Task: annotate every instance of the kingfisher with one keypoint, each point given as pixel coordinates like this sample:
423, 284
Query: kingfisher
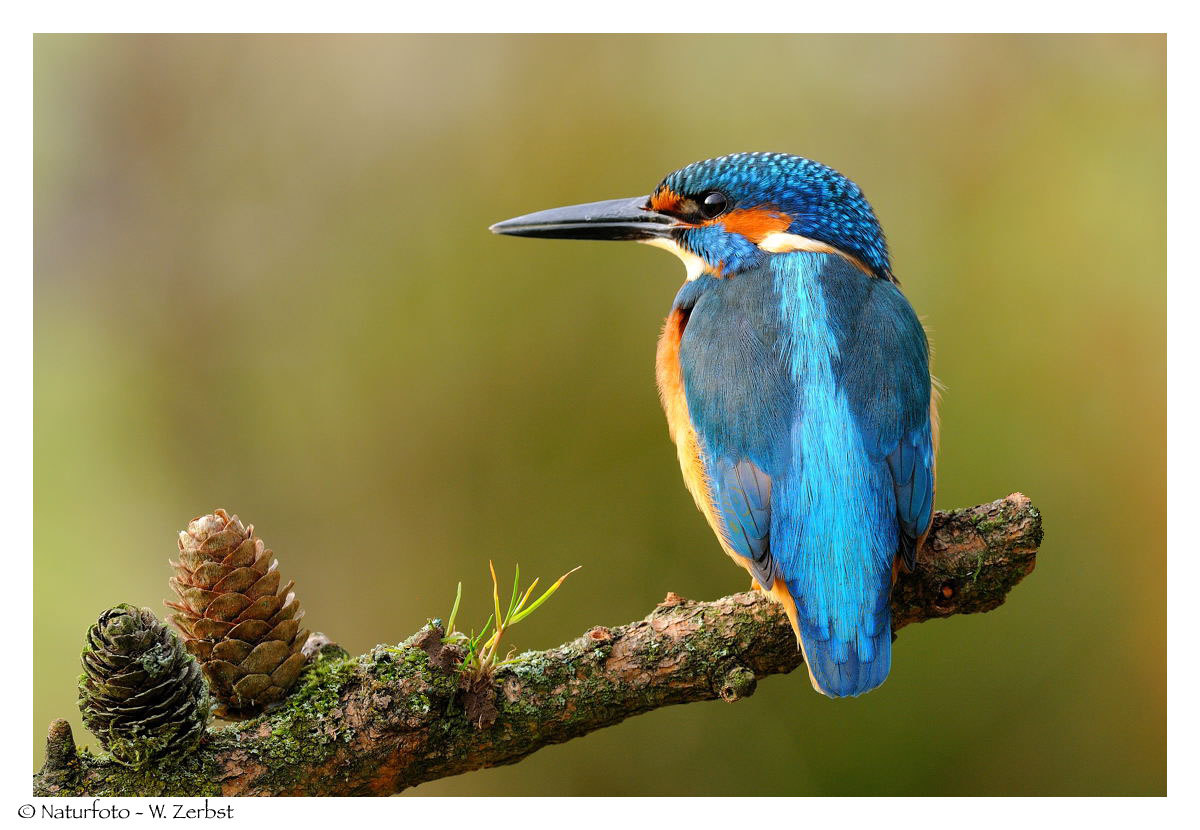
795, 379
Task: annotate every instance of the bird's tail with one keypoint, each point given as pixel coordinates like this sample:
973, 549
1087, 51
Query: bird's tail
847, 667
848, 677
839, 667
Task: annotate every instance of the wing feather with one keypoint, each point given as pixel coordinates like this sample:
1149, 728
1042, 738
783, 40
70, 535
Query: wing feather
743, 502
885, 373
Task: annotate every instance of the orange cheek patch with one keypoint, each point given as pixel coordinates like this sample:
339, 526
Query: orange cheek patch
665, 201
755, 223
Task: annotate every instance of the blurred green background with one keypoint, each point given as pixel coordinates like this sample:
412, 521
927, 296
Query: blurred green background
264, 281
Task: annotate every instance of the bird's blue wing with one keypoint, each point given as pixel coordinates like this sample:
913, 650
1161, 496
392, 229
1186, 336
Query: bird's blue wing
742, 498
911, 464
884, 370
740, 402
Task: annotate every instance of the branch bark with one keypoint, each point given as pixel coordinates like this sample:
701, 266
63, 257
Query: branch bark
399, 716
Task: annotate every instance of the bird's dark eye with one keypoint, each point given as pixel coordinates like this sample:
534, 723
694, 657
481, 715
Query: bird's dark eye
713, 204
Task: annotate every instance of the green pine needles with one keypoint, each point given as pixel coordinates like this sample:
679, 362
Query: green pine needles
483, 648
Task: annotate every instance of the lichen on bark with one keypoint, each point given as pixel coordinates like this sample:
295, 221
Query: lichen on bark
401, 715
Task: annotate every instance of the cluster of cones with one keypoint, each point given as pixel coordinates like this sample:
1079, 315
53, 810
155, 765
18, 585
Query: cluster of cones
144, 692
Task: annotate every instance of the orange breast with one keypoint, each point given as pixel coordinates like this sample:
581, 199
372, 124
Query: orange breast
669, 374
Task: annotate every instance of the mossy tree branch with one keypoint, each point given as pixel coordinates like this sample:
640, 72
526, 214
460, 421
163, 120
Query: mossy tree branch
399, 716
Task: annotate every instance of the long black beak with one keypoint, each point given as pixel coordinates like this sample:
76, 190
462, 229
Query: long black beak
614, 219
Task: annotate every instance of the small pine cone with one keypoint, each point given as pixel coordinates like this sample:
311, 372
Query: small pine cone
242, 627
142, 695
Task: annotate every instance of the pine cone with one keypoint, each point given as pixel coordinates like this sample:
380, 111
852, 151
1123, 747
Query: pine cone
141, 695
241, 626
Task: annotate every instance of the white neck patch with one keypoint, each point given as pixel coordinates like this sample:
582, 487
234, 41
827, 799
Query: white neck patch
695, 266
786, 243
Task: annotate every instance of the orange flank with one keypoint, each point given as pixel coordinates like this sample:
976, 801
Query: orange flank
780, 594
755, 223
679, 424
783, 596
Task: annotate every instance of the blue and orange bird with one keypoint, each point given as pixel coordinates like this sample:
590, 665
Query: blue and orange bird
795, 379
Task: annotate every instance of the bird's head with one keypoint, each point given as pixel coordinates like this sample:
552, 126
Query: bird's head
728, 214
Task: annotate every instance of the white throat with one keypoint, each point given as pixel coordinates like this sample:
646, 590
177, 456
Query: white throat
695, 265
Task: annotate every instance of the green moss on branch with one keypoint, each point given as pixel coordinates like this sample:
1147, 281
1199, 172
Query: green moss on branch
401, 715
